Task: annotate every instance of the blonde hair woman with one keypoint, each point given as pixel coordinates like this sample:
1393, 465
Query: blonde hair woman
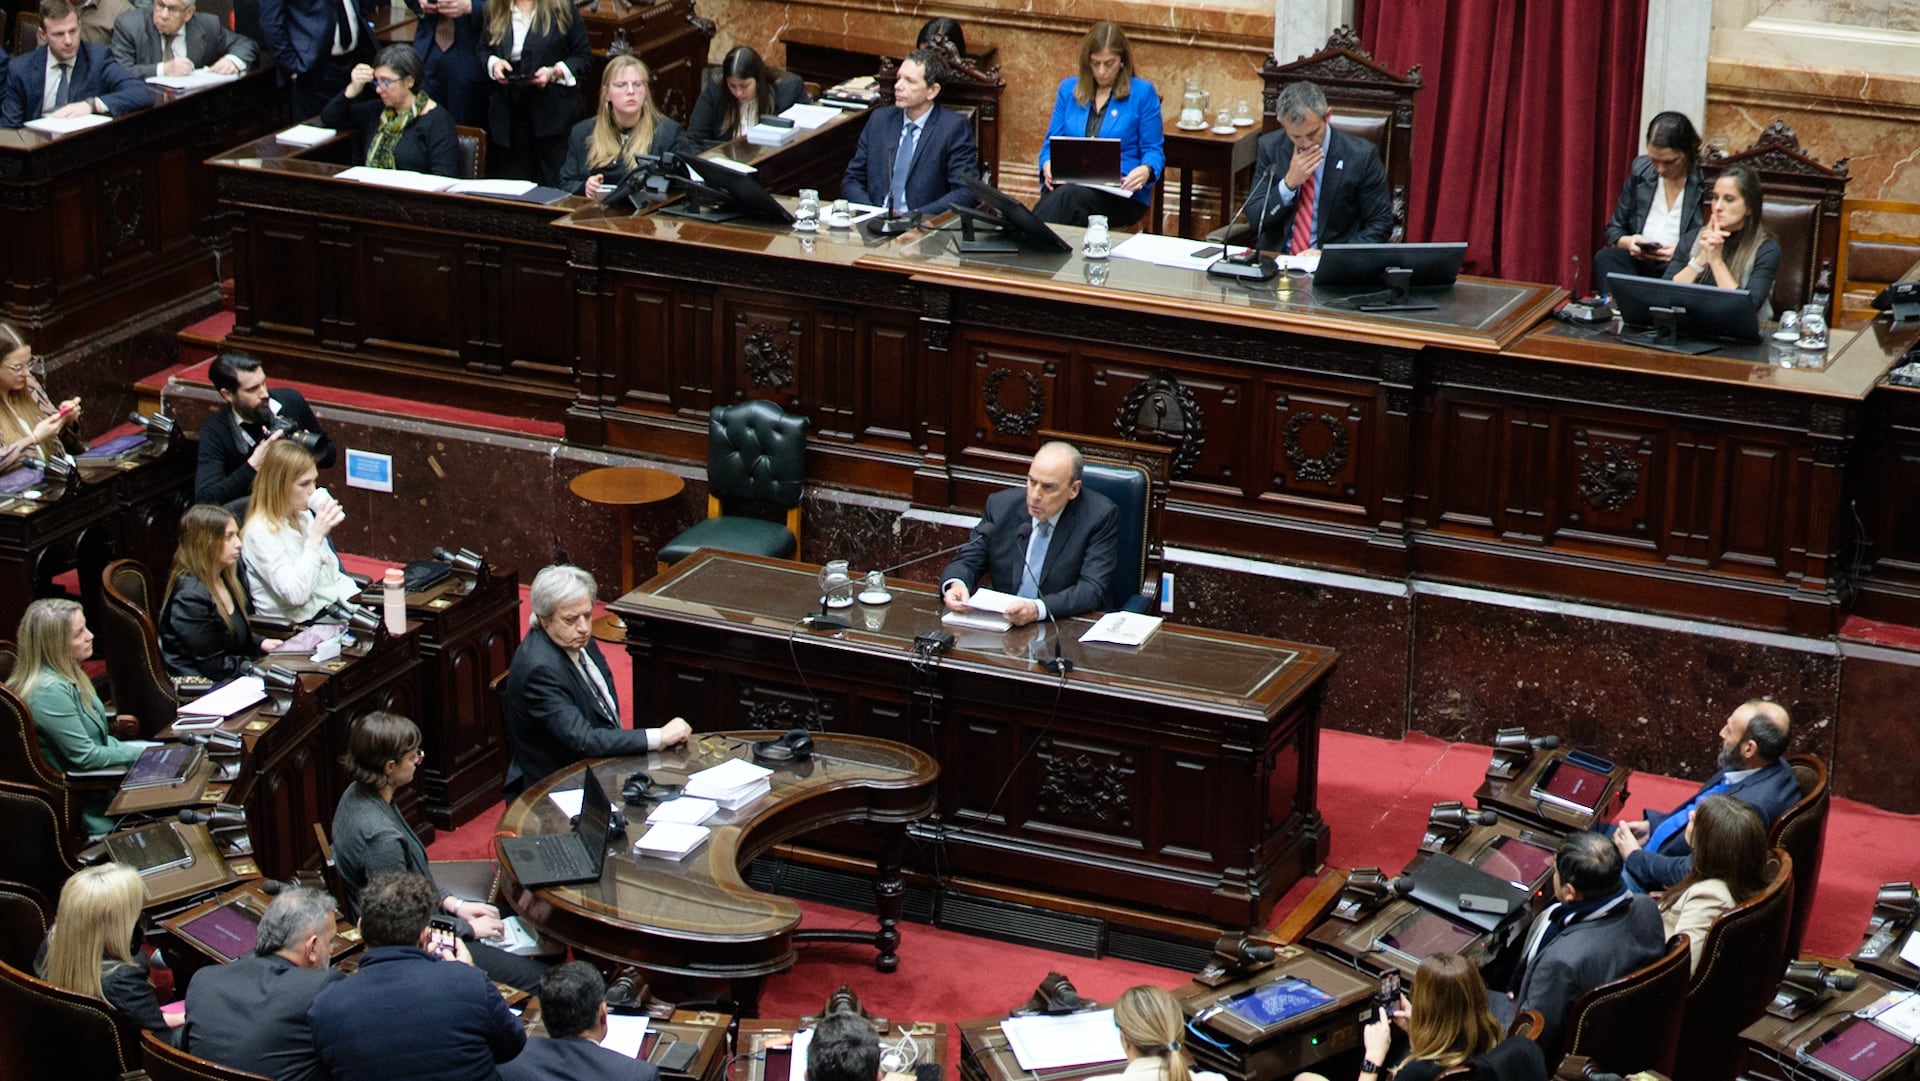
31, 426
292, 570
74, 734
91, 948
203, 624
603, 149
1151, 1027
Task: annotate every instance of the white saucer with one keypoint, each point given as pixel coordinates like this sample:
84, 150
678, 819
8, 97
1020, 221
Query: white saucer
1243, 121
1786, 335
1184, 126
1222, 129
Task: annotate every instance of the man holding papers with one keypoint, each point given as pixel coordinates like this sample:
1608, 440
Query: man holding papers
1053, 546
560, 703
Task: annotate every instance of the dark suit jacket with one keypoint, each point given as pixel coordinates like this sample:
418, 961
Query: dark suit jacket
575, 1059
408, 1014
574, 174
712, 120
195, 640
553, 717
95, 75
1353, 203
137, 46
222, 474
1636, 198
1078, 574
428, 145
554, 108
1770, 792
942, 161
1759, 283
299, 33
252, 1015
1586, 955
469, 37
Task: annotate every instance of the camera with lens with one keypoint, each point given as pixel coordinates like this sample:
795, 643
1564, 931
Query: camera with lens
291, 431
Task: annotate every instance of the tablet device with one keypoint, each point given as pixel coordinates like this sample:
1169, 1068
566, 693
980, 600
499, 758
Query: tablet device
153, 848
1084, 161
168, 763
1282, 1000
1576, 788
1514, 860
1426, 934
230, 930
1856, 1051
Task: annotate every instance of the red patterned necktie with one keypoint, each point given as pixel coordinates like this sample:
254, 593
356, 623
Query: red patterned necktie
1302, 237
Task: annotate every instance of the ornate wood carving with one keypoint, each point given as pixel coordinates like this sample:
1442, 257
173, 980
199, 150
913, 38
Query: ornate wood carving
769, 710
1007, 421
1082, 787
1161, 410
768, 352
1325, 468
125, 200
1609, 476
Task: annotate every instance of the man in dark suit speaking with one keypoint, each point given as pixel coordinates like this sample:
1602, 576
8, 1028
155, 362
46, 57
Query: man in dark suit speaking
914, 157
173, 39
1053, 544
1324, 186
66, 77
560, 703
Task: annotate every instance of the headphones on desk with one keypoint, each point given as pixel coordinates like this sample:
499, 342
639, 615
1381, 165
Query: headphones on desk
795, 746
641, 788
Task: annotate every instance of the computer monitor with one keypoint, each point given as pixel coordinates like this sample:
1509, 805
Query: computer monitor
740, 192
1016, 221
1396, 267
1685, 317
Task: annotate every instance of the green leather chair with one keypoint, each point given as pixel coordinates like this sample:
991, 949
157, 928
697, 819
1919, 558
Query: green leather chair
756, 469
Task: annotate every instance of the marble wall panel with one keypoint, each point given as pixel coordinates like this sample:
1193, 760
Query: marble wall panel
1646, 692
1224, 42
1875, 751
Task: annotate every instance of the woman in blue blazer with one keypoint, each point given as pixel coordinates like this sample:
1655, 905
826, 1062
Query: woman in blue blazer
1106, 100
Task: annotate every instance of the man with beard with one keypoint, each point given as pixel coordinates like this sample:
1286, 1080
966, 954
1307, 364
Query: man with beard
1752, 745
234, 439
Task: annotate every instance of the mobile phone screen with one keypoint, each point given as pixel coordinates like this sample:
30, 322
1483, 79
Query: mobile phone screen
1207, 252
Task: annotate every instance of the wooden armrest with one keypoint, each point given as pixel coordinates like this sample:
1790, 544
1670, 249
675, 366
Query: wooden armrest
96, 780
266, 627
188, 688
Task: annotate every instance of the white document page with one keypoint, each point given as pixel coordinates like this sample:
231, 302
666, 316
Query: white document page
625, 1033
227, 699
1052, 1043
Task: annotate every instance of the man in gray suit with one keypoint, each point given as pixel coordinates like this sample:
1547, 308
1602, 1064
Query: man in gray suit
1594, 932
173, 39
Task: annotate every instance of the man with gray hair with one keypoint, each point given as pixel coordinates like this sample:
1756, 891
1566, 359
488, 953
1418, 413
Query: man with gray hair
1322, 185
560, 703
252, 1014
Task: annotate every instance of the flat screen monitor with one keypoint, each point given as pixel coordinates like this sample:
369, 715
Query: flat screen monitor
1688, 318
1281, 1000
1425, 934
1016, 219
1576, 788
1513, 860
230, 930
1367, 264
742, 191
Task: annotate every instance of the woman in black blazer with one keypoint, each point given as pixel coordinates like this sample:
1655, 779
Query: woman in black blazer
746, 90
203, 625
540, 58
602, 148
1659, 203
403, 126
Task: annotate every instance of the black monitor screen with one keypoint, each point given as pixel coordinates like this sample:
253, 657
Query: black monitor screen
1367, 264
1704, 311
1031, 231
742, 190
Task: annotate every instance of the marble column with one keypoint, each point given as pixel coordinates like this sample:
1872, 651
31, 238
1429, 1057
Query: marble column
1301, 27
1679, 33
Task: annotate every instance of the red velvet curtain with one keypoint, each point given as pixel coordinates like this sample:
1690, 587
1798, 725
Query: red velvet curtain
1525, 125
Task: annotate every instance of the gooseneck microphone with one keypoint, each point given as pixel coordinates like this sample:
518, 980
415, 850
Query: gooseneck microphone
1249, 265
947, 551
1058, 664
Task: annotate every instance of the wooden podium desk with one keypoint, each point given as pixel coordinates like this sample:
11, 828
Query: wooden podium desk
1177, 778
118, 221
985, 1055
1773, 1045
761, 1062
695, 916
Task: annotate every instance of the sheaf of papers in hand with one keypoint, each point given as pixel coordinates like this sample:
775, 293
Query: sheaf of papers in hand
1053, 1043
625, 1034
227, 699
508, 188
1123, 628
990, 600
304, 135
977, 621
397, 178
671, 839
192, 80
808, 117
687, 811
47, 125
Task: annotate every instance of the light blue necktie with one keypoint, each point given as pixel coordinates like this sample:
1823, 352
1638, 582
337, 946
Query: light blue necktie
1677, 821
902, 164
1036, 560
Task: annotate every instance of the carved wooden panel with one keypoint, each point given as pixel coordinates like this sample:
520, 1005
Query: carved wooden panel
1085, 789
765, 346
1194, 782
887, 383
1011, 390
538, 281
831, 388
638, 352
278, 276
77, 228
977, 756
1468, 479
1609, 485
1317, 449
409, 295
1755, 532
1194, 413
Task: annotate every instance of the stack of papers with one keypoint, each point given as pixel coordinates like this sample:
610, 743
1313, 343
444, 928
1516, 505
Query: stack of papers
193, 80
765, 134
671, 839
47, 125
808, 117
1054, 1043
625, 1033
397, 178
1123, 628
304, 135
503, 188
860, 93
226, 700
687, 810
732, 784
986, 612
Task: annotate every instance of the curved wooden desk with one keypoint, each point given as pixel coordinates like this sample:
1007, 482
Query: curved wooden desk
696, 916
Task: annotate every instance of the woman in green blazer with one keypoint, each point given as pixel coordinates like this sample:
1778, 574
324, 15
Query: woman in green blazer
74, 737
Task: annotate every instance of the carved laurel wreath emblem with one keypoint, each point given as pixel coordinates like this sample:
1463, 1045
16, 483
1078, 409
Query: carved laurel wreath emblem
1326, 467
1006, 421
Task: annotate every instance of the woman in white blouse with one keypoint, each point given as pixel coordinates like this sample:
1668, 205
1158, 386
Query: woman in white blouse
1729, 865
1151, 1025
292, 571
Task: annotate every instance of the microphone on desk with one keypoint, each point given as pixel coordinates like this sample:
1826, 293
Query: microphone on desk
1249, 265
1058, 665
947, 551
224, 816
466, 559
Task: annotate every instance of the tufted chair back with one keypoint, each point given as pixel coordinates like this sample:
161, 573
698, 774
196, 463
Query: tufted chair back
756, 474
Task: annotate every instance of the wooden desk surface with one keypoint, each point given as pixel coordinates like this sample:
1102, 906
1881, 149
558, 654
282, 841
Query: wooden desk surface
928, 1038
696, 916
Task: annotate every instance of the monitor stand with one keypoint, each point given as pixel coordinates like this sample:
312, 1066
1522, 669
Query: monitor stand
995, 243
702, 206
1396, 297
1665, 334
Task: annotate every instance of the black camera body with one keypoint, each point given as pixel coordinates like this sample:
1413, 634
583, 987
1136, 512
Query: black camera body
291, 431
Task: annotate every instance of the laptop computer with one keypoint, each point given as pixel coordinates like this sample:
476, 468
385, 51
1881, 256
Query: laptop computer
1093, 162
556, 859
1440, 880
